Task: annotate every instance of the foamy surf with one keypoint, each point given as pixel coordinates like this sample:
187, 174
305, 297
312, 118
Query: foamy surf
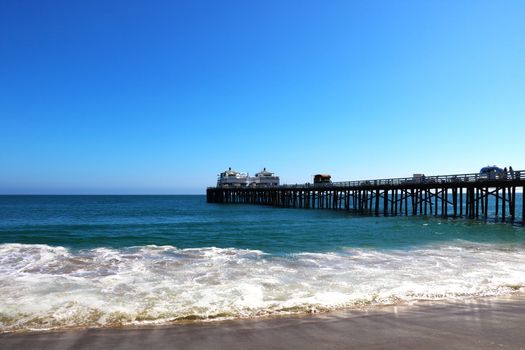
46, 287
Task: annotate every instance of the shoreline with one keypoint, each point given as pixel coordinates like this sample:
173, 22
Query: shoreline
482, 323
348, 311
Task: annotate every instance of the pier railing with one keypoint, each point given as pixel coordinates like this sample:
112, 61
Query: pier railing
422, 179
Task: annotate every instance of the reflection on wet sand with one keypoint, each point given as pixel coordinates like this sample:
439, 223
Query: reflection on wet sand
484, 323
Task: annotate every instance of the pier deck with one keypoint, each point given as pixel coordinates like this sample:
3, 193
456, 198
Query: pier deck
462, 195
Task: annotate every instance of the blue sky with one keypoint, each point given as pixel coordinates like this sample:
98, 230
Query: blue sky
160, 96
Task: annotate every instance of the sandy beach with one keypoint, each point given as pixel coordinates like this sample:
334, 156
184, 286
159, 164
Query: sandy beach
486, 323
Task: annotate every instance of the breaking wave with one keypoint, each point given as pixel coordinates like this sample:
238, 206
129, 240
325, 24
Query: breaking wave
46, 287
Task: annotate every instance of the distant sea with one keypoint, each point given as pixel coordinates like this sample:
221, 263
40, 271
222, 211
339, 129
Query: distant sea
101, 261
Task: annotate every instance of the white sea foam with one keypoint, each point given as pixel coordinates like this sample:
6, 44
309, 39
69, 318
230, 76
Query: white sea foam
44, 287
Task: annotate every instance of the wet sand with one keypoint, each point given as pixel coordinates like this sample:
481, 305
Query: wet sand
476, 324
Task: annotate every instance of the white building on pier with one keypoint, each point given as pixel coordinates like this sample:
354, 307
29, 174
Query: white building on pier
232, 178
264, 178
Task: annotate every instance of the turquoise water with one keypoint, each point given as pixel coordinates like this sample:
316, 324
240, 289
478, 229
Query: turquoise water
80, 222
95, 261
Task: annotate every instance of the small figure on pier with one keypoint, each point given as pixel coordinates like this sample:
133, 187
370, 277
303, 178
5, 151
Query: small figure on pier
504, 175
511, 171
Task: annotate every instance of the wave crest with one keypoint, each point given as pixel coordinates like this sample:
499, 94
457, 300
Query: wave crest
45, 287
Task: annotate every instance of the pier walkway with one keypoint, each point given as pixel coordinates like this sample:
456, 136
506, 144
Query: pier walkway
472, 196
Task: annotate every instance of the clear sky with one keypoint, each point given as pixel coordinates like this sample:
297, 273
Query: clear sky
160, 96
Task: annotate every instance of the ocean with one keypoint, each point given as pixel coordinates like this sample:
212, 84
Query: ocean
105, 261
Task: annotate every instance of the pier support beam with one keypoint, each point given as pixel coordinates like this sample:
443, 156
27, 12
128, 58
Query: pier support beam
385, 202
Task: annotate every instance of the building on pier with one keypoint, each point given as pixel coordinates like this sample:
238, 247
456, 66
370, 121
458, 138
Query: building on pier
235, 179
264, 178
322, 179
232, 178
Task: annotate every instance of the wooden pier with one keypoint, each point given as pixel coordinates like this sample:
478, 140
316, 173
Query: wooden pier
471, 196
